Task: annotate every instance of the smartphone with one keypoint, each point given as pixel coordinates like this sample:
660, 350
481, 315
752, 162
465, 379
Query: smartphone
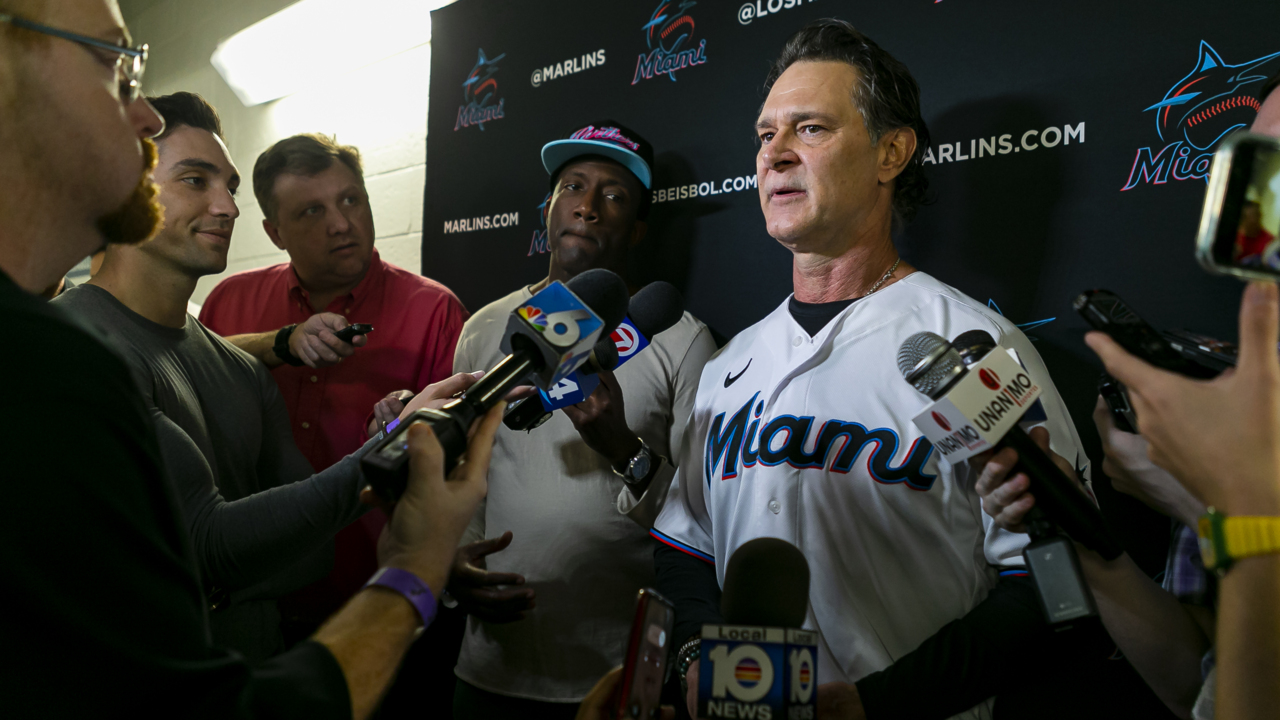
348, 333
1113, 392
638, 696
1105, 311
1240, 222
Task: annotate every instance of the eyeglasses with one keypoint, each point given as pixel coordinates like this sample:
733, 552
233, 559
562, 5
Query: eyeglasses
130, 62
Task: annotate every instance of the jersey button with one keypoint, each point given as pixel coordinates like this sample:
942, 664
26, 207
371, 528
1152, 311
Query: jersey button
796, 342
314, 378
307, 425
775, 506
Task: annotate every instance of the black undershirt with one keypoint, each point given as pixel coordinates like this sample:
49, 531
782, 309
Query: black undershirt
815, 316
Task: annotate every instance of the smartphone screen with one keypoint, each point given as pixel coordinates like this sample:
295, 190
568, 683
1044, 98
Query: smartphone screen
640, 692
1242, 210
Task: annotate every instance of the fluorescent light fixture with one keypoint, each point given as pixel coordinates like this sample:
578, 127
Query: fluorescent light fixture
313, 41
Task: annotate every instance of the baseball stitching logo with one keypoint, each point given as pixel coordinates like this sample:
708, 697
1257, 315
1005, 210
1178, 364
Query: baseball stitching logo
1213, 100
478, 92
669, 35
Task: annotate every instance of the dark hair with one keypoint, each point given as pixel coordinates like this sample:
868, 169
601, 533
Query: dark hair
885, 94
646, 195
306, 154
1268, 86
185, 108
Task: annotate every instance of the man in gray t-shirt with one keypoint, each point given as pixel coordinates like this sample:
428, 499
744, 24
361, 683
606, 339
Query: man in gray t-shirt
258, 525
570, 503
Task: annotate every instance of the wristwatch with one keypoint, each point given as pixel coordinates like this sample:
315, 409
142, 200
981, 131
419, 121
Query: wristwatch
1223, 540
281, 348
639, 466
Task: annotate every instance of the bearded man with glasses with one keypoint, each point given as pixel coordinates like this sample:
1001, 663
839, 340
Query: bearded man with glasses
105, 614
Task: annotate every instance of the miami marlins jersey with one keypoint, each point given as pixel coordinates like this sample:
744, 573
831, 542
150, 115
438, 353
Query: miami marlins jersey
811, 440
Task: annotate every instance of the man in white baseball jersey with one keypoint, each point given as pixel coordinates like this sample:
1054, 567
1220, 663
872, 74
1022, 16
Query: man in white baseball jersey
802, 426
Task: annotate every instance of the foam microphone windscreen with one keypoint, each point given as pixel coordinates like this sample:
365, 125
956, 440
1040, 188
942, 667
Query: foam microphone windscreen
655, 308
605, 293
766, 583
604, 356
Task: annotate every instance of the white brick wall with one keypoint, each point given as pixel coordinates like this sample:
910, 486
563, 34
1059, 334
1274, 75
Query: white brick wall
380, 108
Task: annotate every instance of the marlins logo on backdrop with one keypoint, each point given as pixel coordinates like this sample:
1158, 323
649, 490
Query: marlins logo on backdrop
747, 438
480, 95
539, 242
1214, 99
669, 35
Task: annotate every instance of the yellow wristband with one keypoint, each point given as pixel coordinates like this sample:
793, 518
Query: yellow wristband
1223, 540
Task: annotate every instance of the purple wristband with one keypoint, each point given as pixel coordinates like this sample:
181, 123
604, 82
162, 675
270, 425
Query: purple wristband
411, 587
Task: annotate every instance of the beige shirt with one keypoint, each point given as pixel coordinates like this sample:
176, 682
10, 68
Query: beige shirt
580, 539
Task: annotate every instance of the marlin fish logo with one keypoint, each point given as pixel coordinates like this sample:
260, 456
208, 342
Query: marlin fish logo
668, 31
478, 93
1214, 99
481, 81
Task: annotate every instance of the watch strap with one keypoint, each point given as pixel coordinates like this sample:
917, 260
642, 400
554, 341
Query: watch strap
411, 587
1225, 539
281, 346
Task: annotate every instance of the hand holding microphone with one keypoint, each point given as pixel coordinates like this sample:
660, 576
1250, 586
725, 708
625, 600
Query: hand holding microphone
547, 338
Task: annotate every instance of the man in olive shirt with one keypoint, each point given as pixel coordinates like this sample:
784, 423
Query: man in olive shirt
569, 492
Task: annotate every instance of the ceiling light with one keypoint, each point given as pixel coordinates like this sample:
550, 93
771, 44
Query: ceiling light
313, 41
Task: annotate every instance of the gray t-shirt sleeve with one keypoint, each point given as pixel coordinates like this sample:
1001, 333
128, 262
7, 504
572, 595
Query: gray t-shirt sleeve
248, 541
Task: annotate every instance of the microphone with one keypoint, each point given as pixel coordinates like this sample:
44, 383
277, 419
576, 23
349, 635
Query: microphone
980, 395
656, 307
760, 663
547, 338
766, 582
988, 418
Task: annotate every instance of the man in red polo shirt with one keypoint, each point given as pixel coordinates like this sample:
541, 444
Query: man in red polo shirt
312, 192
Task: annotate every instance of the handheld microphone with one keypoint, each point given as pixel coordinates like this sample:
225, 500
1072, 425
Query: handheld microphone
656, 307
982, 390
985, 401
760, 664
546, 339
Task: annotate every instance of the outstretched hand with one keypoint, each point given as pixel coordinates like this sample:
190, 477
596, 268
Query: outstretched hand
491, 596
1220, 438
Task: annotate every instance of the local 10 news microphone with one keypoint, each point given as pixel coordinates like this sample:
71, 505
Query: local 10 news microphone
759, 663
981, 394
547, 337
656, 307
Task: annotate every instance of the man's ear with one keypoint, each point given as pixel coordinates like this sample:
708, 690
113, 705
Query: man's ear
274, 233
896, 149
637, 232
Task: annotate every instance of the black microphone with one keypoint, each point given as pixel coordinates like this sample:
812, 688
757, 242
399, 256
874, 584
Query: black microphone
766, 582
655, 308
934, 366
759, 664
547, 338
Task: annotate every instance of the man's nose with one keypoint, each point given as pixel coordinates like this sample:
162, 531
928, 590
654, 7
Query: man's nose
144, 118
338, 223
778, 154
224, 205
586, 209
